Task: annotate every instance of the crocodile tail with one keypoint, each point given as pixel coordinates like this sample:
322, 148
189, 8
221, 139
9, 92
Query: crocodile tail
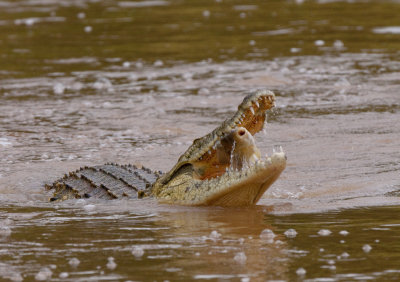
108, 181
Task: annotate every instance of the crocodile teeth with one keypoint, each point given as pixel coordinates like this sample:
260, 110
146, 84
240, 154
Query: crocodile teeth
252, 110
257, 104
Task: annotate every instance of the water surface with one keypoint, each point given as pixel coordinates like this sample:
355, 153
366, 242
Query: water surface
88, 82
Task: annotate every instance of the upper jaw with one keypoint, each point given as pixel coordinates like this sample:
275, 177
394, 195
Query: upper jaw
251, 114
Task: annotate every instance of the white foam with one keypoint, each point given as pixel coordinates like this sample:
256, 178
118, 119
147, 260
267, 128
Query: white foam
141, 4
4, 142
387, 29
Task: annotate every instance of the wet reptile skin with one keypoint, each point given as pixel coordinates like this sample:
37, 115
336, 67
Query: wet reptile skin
222, 168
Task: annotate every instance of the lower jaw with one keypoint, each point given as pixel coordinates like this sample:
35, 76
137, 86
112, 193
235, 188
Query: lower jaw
248, 191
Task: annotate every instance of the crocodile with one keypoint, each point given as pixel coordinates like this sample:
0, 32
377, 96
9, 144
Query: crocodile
223, 168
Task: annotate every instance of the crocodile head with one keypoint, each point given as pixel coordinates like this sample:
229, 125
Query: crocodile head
225, 168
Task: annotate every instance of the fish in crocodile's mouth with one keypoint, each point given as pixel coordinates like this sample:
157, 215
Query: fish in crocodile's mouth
225, 167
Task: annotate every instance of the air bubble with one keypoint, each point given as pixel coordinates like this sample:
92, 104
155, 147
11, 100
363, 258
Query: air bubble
267, 235
16, 277
103, 83
206, 13
290, 233
324, 232
344, 255
5, 231
81, 15
338, 44
89, 207
58, 88
44, 274
63, 275
158, 63
366, 248
88, 29
203, 91
111, 264
74, 262
295, 50
215, 235
137, 251
240, 258
301, 271
80, 202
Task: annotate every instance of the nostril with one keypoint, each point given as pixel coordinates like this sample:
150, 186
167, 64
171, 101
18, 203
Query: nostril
241, 132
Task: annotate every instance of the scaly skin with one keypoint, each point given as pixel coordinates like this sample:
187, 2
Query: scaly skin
223, 168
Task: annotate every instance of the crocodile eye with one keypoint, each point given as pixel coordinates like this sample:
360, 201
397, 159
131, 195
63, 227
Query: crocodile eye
241, 132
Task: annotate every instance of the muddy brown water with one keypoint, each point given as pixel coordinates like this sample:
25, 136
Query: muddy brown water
87, 82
